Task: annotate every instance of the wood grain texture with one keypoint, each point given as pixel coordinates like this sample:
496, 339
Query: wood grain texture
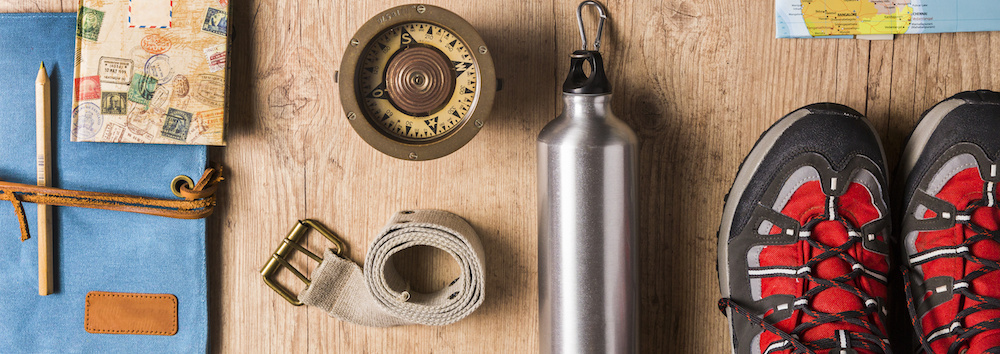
698, 80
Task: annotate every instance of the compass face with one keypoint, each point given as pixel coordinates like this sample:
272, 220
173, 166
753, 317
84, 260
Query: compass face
417, 81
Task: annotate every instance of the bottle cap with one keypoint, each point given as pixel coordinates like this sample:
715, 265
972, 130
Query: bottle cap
579, 82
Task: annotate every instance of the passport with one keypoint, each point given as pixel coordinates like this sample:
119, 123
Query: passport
151, 71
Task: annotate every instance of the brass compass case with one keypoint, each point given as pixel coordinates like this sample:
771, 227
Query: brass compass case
417, 82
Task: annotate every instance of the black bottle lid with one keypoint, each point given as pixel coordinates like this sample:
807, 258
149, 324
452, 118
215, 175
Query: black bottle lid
578, 82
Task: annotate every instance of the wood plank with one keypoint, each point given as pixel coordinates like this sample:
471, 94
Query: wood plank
265, 189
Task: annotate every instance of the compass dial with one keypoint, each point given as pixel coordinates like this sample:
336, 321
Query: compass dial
417, 81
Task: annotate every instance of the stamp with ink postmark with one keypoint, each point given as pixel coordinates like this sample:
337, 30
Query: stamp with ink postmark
155, 44
115, 70
161, 98
215, 22
88, 24
176, 125
88, 88
159, 68
211, 90
113, 103
131, 136
142, 88
113, 133
87, 121
181, 85
216, 56
211, 123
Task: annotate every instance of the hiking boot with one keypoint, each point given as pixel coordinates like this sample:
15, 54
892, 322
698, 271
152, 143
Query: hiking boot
802, 245
949, 218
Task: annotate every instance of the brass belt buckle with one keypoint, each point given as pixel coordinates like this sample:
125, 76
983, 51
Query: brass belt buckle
292, 241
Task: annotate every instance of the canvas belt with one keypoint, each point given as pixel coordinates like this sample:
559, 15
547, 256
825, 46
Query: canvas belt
378, 296
198, 200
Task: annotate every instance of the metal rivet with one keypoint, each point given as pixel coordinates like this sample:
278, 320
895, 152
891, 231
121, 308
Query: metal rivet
180, 181
413, 156
351, 115
355, 42
482, 49
421, 9
479, 123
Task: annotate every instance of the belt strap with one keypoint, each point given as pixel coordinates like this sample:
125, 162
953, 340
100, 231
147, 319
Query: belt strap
379, 297
198, 202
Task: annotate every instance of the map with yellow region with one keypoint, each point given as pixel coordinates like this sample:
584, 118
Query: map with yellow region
832, 18
839, 17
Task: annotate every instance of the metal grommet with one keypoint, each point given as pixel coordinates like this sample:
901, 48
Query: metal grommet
178, 182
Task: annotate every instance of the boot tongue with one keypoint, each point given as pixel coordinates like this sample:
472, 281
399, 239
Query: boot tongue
987, 284
832, 300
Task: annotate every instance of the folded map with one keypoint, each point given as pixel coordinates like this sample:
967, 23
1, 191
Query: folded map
820, 18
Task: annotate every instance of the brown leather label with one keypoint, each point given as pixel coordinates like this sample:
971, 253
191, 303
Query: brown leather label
129, 313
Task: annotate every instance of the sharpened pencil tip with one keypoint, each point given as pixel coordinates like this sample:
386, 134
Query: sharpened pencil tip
42, 74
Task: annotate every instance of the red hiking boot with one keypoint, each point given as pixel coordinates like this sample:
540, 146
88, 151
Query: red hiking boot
802, 244
949, 220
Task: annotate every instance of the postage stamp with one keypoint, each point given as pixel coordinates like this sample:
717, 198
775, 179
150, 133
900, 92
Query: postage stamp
155, 44
89, 24
216, 56
87, 121
113, 133
142, 88
215, 22
176, 125
115, 70
158, 67
113, 103
88, 88
211, 90
211, 123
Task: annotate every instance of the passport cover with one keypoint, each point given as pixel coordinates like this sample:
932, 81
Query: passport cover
94, 250
151, 71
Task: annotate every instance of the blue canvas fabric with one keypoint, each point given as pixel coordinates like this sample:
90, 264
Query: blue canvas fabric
95, 250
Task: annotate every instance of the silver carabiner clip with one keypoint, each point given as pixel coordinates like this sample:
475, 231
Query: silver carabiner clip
600, 25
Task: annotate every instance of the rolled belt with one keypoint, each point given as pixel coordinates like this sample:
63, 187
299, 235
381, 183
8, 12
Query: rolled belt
379, 297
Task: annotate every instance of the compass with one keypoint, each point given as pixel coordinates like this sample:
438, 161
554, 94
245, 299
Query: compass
417, 82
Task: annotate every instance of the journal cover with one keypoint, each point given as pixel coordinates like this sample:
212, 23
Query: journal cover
94, 250
153, 71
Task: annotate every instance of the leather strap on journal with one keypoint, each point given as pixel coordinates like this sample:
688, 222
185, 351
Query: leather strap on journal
198, 202
378, 296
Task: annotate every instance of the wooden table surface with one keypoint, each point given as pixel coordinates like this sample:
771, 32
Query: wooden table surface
698, 80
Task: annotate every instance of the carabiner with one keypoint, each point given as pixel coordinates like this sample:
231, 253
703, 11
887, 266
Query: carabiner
600, 25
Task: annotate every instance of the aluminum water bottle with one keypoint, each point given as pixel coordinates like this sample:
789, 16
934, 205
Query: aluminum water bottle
586, 221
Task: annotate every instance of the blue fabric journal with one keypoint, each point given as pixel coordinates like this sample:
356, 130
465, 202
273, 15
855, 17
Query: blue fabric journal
94, 250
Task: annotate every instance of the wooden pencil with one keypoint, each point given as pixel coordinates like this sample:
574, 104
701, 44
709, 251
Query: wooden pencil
43, 145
